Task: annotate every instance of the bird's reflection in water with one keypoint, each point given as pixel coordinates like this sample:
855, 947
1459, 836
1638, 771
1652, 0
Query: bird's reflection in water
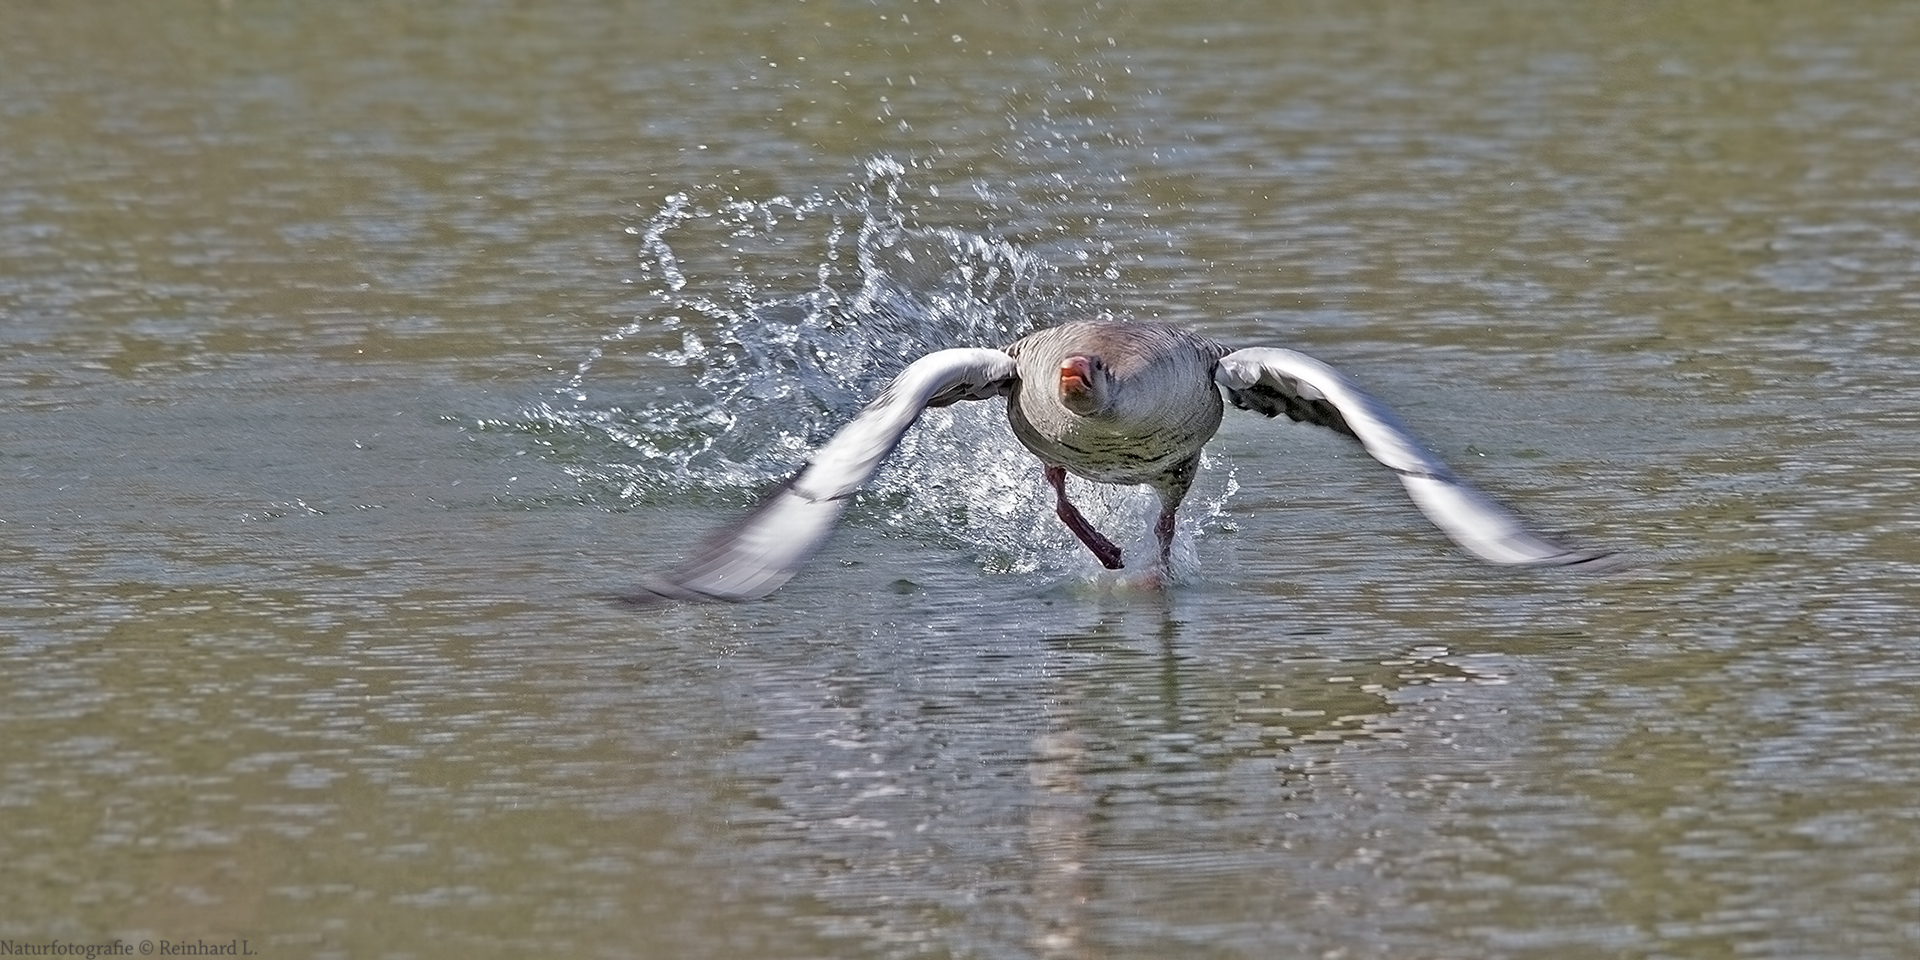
1058, 825
1060, 813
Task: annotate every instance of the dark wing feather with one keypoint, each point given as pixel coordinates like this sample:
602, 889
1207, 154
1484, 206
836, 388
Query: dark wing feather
1281, 393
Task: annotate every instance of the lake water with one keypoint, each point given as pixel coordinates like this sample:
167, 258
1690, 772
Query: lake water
351, 354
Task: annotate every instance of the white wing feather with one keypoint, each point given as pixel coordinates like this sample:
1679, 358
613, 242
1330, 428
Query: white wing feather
763, 550
1475, 522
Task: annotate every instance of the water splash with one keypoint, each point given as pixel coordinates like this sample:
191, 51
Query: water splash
767, 373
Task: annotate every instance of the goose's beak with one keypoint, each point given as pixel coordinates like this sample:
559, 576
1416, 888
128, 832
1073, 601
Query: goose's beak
1076, 379
1078, 392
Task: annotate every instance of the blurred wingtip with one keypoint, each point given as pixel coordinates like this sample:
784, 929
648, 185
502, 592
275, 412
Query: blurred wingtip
657, 592
1596, 562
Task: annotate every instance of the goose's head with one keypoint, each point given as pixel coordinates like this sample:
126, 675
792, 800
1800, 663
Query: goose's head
1086, 387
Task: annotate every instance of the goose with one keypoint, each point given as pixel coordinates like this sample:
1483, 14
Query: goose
1110, 401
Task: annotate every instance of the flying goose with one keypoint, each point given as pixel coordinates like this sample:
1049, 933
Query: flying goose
1110, 401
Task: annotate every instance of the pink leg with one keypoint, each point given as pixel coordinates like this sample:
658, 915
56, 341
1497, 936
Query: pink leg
1103, 549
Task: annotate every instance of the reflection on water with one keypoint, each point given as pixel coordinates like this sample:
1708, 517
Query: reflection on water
352, 352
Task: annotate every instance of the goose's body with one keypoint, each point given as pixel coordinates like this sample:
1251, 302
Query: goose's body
1123, 403
1161, 404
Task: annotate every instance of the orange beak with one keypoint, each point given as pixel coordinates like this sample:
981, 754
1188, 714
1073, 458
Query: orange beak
1076, 378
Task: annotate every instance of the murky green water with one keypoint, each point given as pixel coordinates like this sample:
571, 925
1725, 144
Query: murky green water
351, 352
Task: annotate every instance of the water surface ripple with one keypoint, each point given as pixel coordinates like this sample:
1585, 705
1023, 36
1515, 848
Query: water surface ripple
352, 353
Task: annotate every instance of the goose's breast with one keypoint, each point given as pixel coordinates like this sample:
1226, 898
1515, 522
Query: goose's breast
1115, 449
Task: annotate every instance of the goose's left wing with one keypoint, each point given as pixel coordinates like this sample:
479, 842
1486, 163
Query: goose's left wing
754, 556
1274, 381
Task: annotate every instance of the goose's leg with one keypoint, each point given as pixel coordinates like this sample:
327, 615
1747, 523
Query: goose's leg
1173, 491
1103, 549
1164, 530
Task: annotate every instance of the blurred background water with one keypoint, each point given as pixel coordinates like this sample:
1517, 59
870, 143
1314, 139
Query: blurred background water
351, 352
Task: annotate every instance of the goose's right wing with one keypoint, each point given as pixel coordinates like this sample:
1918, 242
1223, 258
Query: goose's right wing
1273, 381
754, 556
